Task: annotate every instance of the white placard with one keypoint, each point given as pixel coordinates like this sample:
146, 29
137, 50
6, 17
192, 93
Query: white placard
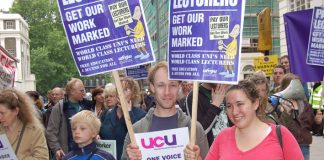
108, 146
6, 152
166, 144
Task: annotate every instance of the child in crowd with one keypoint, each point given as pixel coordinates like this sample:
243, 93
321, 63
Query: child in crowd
85, 128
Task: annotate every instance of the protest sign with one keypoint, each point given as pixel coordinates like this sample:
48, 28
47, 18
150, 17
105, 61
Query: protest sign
137, 72
205, 40
264, 28
297, 27
315, 51
6, 152
108, 146
106, 35
265, 63
7, 69
166, 144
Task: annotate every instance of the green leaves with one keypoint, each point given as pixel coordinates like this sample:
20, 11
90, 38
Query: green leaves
51, 60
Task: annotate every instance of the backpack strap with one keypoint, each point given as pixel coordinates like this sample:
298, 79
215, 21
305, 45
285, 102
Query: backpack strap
279, 136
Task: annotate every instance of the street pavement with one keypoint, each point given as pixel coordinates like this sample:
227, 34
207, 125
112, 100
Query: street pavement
317, 148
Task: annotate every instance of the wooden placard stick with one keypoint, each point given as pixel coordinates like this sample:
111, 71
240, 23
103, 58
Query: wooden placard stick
124, 106
194, 113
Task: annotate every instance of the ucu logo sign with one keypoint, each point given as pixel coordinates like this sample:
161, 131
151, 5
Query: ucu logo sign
159, 141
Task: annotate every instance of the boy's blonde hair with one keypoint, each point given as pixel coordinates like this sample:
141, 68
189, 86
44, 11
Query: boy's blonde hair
89, 118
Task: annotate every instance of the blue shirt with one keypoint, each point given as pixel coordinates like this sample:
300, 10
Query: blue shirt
85, 152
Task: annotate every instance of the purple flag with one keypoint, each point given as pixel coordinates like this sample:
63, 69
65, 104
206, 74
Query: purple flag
297, 25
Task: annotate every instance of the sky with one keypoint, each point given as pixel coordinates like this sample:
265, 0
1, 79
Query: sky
5, 4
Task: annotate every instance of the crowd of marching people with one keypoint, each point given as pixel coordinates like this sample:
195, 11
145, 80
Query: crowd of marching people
234, 121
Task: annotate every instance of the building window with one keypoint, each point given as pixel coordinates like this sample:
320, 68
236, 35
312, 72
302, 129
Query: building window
10, 45
248, 68
91, 83
297, 5
97, 82
85, 82
9, 24
103, 82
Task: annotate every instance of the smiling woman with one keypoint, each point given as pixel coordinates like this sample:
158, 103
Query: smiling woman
19, 123
251, 138
113, 124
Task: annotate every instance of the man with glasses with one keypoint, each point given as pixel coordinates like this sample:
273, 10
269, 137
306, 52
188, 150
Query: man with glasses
56, 94
58, 131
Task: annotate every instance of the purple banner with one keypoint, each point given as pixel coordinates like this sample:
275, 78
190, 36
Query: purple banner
106, 35
315, 51
297, 27
137, 72
205, 40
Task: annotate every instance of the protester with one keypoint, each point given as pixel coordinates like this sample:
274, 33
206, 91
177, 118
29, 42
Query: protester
185, 89
58, 132
85, 128
56, 94
261, 82
211, 112
298, 117
277, 74
113, 123
149, 101
49, 99
164, 115
284, 61
315, 101
19, 123
38, 103
98, 100
249, 138
110, 95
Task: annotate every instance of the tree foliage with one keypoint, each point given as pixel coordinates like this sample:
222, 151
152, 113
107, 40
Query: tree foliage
51, 60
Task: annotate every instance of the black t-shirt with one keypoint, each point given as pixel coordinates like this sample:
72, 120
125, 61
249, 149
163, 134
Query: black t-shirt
164, 123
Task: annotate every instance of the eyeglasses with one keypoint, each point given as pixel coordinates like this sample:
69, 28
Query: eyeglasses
82, 90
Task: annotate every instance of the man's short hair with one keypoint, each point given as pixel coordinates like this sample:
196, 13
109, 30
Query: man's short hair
153, 70
279, 66
89, 118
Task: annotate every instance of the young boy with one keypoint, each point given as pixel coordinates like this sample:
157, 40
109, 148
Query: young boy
85, 128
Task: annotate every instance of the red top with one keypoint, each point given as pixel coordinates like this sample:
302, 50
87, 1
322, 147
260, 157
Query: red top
224, 147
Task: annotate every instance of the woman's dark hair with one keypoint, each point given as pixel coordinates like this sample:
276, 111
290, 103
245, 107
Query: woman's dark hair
33, 94
250, 90
95, 92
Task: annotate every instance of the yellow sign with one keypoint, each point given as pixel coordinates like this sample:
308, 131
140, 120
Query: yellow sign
265, 63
